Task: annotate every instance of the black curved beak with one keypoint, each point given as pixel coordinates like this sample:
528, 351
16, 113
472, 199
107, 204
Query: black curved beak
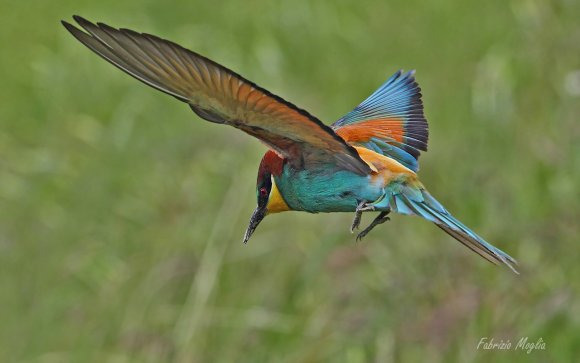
257, 217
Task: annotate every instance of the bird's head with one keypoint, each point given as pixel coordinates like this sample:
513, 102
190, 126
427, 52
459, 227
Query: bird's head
269, 198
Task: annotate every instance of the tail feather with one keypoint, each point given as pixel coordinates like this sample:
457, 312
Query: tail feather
421, 203
467, 243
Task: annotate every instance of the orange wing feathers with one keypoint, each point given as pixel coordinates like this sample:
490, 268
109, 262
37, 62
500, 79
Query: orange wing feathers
220, 95
390, 121
387, 128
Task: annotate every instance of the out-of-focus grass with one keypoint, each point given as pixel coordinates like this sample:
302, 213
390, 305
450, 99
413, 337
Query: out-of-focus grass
121, 213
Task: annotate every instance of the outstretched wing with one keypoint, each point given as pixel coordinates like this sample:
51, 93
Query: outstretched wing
219, 95
390, 121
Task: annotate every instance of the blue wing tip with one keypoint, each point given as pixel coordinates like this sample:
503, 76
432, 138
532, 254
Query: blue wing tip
403, 75
399, 96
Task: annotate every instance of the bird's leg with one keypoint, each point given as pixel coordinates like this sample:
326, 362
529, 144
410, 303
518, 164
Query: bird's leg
357, 217
360, 208
381, 218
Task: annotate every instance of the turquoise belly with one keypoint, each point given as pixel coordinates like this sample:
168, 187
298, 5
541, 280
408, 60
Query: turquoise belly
324, 191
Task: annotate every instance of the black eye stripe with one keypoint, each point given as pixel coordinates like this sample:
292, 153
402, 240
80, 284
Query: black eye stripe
264, 188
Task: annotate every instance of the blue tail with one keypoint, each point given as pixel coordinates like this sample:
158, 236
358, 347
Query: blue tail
419, 202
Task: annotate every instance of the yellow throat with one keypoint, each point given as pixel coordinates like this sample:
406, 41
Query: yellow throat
276, 203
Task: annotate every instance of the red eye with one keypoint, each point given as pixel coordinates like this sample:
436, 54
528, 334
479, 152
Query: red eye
263, 192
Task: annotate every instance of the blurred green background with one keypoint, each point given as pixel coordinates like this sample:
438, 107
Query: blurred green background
122, 214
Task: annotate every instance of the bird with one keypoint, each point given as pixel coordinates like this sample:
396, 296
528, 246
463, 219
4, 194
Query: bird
366, 161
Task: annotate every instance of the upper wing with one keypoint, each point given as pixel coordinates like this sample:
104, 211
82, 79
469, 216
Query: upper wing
219, 95
390, 121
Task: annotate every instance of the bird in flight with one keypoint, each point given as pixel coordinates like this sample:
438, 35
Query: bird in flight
366, 161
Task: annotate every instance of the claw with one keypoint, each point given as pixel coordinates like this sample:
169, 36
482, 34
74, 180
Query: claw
356, 221
381, 218
361, 207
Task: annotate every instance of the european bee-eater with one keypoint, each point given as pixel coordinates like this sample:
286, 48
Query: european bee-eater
365, 161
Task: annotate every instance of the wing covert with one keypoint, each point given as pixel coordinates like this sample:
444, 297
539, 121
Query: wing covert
390, 121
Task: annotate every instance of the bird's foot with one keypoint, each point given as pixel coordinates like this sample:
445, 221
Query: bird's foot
381, 218
363, 206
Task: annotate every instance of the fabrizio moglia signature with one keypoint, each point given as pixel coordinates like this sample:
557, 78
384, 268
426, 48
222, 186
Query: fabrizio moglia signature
524, 344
